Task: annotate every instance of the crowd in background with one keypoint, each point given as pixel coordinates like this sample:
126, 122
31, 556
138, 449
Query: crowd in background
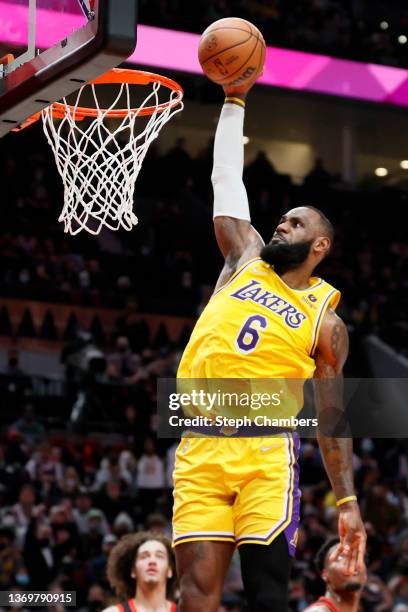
65, 500
68, 491
78, 471
169, 263
365, 30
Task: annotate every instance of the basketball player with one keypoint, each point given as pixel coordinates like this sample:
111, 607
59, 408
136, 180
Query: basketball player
343, 592
268, 318
141, 570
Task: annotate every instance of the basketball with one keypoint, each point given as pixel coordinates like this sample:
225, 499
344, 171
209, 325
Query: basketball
232, 51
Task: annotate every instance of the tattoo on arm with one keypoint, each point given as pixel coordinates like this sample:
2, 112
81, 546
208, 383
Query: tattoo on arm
333, 434
230, 267
337, 454
335, 338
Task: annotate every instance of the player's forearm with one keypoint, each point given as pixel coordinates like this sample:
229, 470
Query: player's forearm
230, 196
337, 455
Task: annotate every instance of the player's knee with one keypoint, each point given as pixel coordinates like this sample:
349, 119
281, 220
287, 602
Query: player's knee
195, 596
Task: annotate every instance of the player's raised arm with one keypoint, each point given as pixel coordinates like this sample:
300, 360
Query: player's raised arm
337, 452
237, 239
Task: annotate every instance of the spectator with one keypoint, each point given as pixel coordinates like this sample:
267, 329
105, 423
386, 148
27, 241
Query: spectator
97, 566
384, 514
31, 431
318, 179
22, 510
38, 551
150, 477
96, 600
122, 363
9, 558
113, 500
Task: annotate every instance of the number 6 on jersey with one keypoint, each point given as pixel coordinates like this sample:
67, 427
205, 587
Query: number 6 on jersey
249, 337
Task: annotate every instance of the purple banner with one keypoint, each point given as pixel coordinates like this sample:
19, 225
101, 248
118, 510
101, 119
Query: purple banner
169, 49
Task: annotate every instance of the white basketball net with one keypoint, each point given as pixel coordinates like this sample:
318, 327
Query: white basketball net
99, 171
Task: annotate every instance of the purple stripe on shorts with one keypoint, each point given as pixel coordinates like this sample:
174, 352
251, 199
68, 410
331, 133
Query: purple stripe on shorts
292, 529
206, 536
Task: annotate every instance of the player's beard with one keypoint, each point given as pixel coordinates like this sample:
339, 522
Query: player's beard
281, 254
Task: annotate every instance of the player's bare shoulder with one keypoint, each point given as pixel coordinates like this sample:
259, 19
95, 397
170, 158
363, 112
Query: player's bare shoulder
333, 343
111, 609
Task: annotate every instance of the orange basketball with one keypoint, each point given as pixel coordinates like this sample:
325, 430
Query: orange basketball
231, 51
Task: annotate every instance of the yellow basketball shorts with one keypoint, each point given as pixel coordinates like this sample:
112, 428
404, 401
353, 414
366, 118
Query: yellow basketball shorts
240, 490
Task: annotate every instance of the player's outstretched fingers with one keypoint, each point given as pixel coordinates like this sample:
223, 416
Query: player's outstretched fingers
343, 550
337, 552
352, 560
361, 549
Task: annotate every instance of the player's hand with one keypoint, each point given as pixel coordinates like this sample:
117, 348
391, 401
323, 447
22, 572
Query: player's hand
353, 538
241, 91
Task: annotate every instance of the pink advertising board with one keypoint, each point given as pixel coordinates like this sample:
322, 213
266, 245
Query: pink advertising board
172, 50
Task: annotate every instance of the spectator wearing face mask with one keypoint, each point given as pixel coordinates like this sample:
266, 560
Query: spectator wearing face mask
96, 599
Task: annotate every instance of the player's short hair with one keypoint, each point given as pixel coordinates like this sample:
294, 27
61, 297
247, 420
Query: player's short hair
326, 224
321, 554
122, 559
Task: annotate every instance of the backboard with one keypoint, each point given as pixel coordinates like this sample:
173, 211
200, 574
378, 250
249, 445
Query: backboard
57, 45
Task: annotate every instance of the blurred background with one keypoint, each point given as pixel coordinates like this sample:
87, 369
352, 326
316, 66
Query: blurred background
88, 324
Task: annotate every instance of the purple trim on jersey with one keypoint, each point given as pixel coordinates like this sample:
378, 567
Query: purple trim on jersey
291, 530
321, 313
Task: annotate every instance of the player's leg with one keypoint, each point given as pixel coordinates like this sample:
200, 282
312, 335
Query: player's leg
266, 518
201, 570
265, 574
203, 530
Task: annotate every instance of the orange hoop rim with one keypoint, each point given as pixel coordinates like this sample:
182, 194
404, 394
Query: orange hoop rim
115, 76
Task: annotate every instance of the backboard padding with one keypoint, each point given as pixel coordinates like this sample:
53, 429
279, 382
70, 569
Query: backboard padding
102, 44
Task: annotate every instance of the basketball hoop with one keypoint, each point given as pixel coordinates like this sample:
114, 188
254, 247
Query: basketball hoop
98, 163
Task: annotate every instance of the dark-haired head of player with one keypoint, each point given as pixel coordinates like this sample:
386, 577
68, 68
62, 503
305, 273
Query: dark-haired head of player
303, 238
142, 566
342, 588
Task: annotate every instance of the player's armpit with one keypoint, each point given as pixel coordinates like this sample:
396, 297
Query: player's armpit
236, 238
239, 242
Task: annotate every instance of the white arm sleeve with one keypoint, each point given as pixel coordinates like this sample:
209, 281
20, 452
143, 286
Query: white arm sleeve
230, 196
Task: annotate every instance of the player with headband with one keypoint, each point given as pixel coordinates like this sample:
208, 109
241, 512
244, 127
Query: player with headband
269, 318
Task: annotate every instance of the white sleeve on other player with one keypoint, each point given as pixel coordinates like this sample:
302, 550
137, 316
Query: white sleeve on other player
230, 196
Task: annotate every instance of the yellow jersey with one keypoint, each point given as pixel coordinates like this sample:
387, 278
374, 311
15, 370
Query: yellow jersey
256, 326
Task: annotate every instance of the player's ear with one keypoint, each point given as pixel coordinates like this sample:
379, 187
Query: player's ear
324, 575
169, 573
322, 245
